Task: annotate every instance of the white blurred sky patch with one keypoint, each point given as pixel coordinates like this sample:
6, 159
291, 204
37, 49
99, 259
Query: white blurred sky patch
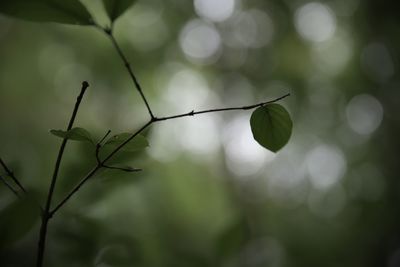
200, 42
364, 114
315, 22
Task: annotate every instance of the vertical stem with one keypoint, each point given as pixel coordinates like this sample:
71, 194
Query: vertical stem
42, 240
46, 215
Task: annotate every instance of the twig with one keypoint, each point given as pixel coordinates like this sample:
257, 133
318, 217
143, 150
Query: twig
9, 187
122, 168
97, 167
109, 33
192, 113
104, 137
101, 163
46, 213
11, 174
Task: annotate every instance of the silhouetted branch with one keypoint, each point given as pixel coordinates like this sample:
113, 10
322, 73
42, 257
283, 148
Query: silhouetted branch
9, 186
127, 65
11, 174
46, 213
192, 113
101, 163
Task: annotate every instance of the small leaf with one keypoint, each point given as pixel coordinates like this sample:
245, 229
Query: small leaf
60, 11
138, 143
116, 8
271, 126
76, 134
17, 219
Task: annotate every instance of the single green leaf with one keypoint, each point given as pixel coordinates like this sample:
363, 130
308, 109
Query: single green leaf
137, 143
17, 219
60, 11
271, 126
76, 134
116, 8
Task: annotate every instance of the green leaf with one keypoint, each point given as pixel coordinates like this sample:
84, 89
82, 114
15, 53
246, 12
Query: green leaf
17, 219
60, 11
138, 143
271, 126
116, 8
76, 134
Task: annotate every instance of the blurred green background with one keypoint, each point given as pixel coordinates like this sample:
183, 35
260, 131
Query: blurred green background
209, 195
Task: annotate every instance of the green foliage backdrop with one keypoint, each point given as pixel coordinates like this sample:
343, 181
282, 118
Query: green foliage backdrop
209, 194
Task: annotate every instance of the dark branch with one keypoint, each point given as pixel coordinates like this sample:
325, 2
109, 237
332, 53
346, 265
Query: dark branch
192, 113
46, 214
11, 174
85, 85
101, 163
9, 186
109, 33
104, 137
124, 169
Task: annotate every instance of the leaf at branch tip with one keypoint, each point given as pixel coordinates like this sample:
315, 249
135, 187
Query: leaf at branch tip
116, 8
271, 126
60, 11
76, 134
138, 143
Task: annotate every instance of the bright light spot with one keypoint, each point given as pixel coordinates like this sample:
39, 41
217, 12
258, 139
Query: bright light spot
377, 62
364, 114
333, 55
253, 28
164, 145
326, 165
239, 89
186, 90
327, 203
200, 41
199, 135
213, 10
315, 22
146, 22
286, 183
244, 157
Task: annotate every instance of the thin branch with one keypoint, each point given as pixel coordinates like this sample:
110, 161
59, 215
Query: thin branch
192, 113
46, 215
9, 186
85, 85
11, 174
129, 169
101, 163
104, 137
109, 33
98, 167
